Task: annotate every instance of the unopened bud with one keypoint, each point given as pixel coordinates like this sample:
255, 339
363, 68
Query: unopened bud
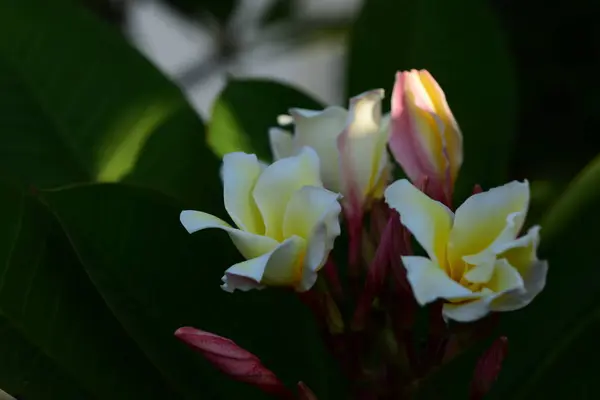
488, 367
233, 360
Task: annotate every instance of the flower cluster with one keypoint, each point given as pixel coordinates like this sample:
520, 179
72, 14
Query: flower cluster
332, 168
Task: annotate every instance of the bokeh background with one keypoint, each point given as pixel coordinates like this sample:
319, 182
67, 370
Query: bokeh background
555, 46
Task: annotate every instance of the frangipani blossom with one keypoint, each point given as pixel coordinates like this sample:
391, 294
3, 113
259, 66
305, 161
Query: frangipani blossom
351, 145
476, 261
425, 138
286, 221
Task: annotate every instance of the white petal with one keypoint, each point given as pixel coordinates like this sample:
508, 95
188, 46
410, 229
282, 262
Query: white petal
469, 311
249, 244
240, 172
285, 264
428, 220
362, 148
534, 282
487, 220
319, 130
246, 275
522, 253
279, 182
279, 267
483, 270
429, 282
505, 280
313, 213
282, 143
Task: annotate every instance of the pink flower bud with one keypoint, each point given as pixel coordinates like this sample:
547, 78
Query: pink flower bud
425, 138
232, 360
488, 367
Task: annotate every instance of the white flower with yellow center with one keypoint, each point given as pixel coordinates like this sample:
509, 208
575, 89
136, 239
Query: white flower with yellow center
475, 260
286, 221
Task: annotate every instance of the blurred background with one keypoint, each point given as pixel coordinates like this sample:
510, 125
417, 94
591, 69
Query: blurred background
555, 45
197, 43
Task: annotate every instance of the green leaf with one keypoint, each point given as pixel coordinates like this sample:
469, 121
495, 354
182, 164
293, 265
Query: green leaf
246, 109
464, 49
78, 104
156, 278
52, 314
26, 371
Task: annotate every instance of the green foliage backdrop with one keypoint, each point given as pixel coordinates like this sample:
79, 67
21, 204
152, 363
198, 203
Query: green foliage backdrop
99, 152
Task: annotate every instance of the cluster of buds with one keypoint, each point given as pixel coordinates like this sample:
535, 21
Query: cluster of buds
331, 171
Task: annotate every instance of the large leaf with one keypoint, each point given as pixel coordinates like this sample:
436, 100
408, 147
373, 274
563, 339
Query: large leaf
51, 313
246, 109
462, 46
157, 278
78, 104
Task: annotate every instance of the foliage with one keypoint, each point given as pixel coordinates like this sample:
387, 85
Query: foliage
99, 153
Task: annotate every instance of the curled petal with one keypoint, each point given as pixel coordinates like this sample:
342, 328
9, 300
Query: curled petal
277, 184
231, 359
429, 282
240, 172
534, 282
250, 245
280, 267
522, 252
485, 222
313, 213
428, 220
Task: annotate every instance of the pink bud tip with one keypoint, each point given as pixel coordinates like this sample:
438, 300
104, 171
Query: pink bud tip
477, 189
488, 368
232, 360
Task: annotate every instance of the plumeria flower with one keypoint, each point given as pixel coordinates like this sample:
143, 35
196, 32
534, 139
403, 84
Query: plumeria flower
425, 138
475, 259
286, 221
351, 145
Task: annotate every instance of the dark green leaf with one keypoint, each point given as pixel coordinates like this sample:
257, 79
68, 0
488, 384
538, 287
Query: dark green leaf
78, 104
53, 317
26, 371
462, 46
246, 109
157, 278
